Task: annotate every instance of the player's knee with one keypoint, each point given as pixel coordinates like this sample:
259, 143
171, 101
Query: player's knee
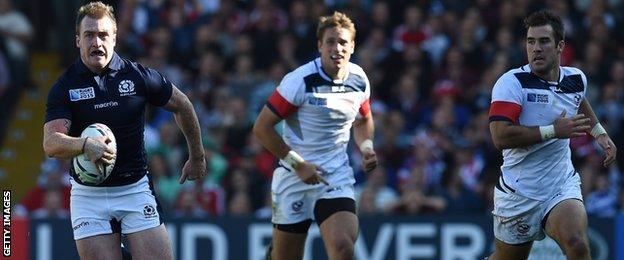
576, 245
343, 248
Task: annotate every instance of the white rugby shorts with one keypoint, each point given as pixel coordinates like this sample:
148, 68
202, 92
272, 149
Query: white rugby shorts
294, 201
518, 219
93, 209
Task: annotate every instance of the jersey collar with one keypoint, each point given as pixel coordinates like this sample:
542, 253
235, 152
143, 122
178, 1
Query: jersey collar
115, 64
319, 68
528, 68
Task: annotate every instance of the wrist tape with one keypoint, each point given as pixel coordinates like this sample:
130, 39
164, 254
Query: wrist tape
547, 132
368, 143
293, 159
598, 130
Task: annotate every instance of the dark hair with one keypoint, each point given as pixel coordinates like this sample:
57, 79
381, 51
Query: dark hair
545, 17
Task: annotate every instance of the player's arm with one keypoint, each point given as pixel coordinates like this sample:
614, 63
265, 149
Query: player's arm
363, 132
507, 135
56, 142
599, 133
264, 131
185, 117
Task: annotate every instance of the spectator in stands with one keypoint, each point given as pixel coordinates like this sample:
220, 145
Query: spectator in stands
53, 177
5, 73
16, 30
414, 202
165, 181
383, 197
52, 206
458, 196
602, 201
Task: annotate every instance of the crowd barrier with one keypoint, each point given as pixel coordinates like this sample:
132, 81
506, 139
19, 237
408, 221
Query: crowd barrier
381, 237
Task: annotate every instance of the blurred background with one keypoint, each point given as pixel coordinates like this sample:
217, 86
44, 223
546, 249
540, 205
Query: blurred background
431, 65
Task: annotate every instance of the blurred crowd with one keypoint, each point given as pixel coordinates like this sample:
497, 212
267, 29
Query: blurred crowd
431, 65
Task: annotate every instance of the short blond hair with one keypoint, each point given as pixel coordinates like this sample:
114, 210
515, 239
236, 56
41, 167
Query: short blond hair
95, 10
337, 19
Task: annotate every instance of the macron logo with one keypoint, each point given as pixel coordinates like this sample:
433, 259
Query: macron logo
107, 104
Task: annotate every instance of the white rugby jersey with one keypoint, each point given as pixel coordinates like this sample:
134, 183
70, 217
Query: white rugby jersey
521, 97
319, 111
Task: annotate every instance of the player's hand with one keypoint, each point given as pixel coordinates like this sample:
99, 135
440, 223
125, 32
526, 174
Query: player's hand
310, 173
369, 160
568, 127
608, 147
98, 151
194, 169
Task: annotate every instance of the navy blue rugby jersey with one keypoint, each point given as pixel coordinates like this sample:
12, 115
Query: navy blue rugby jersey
116, 98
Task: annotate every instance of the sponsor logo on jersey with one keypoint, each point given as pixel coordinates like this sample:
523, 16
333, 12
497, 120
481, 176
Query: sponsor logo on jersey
149, 211
81, 94
317, 101
126, 88
105, 105
537, 98
338, 89
81, 225
333, 189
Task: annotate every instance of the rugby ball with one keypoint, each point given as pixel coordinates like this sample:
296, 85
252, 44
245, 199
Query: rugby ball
87, 171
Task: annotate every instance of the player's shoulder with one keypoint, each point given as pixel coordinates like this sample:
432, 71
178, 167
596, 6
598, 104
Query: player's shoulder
571, 71
356, 69
515, 74
298, 75
71, 74
513, 77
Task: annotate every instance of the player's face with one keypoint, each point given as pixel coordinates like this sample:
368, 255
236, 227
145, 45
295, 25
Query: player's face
336, 48
96, 42
543, 52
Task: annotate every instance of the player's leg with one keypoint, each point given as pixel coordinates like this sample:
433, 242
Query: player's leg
567, 224
517, 223
150, 244
289, 240
508, 251
339, 226
142, 222
99, 247
566, 220
292, 211
96, 233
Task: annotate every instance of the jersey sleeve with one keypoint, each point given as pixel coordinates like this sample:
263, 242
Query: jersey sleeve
289, 95
584, 78
365, 104
57, 105
506, 99
157, 88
